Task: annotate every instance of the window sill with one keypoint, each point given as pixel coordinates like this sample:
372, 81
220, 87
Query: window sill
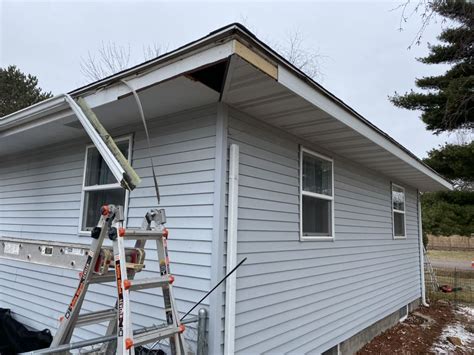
84, 234
309, 238
399, 237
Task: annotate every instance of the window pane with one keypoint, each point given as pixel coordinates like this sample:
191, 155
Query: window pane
93, 200
317, 175
398, 198
399, 224
98, 173
316, 216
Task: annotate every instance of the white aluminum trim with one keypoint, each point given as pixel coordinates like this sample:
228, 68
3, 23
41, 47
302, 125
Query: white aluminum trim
107, 187
31, 112
114, 166
102, 187
232, 221
299, 87
312, 194
422, 254
216, 299
316, 195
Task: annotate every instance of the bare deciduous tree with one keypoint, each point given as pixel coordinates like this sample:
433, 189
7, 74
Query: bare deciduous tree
112, 58
153, 51
294, 49
305, 59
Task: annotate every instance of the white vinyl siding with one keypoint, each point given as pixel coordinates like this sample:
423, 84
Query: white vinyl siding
40, 198
295, 297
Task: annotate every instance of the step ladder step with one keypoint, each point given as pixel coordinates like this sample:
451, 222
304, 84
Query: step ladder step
96, 317
150, 282
109, 277
149, 336
140, 234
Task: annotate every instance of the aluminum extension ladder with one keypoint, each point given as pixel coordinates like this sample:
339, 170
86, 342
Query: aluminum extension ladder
433, 280
120, 337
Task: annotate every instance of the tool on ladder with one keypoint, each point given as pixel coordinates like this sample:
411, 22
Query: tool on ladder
120, 323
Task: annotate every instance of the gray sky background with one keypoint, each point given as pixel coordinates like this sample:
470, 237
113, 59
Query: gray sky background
365, 57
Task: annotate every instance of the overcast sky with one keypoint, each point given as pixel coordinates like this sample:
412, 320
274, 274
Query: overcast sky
364, 56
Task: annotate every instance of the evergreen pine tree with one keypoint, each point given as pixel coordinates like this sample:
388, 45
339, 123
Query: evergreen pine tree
448, 102
18, 90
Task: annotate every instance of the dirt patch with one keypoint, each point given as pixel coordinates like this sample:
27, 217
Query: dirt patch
416, 335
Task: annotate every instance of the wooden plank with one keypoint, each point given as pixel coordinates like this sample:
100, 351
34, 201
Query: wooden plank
255, 59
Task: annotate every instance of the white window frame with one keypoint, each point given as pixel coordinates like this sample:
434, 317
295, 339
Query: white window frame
103, 187
313, 194
403, 318
399, 211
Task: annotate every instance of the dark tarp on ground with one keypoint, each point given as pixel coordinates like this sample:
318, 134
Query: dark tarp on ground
16, 338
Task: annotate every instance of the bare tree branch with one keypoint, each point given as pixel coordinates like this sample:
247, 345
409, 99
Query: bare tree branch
424, 8
112, 58
305, 59
154, 50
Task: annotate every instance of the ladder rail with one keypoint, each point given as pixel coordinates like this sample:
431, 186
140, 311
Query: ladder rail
119, 337
431, 273
66, 327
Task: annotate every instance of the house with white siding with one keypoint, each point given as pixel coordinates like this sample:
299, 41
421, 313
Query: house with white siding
326, 205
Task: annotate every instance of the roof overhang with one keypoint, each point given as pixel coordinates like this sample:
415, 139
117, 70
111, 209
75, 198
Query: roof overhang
260, 83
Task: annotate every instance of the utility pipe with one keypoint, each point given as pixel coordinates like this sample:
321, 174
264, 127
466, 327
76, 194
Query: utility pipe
422, 255
232, 219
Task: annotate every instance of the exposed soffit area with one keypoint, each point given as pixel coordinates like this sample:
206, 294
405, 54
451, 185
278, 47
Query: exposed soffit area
178, 94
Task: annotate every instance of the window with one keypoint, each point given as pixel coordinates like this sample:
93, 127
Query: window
100, 186
398, 208
317, 196
403, 313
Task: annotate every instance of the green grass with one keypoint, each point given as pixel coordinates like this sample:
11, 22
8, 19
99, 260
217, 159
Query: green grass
451, 255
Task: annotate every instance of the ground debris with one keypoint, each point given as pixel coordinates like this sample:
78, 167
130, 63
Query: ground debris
456, 337
416, 335
455, 341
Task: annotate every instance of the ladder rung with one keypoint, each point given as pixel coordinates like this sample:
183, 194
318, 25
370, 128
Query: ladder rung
96, 317
109, 277
150, 282
155, 334
97, 279
140, 234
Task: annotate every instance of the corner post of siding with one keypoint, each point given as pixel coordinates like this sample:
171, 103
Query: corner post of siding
422, 256
218, 231
232, 220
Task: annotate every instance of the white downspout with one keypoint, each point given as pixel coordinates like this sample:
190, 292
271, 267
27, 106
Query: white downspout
232, 219
422, 255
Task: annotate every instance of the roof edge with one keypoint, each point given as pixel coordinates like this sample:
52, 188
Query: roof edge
226, 33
